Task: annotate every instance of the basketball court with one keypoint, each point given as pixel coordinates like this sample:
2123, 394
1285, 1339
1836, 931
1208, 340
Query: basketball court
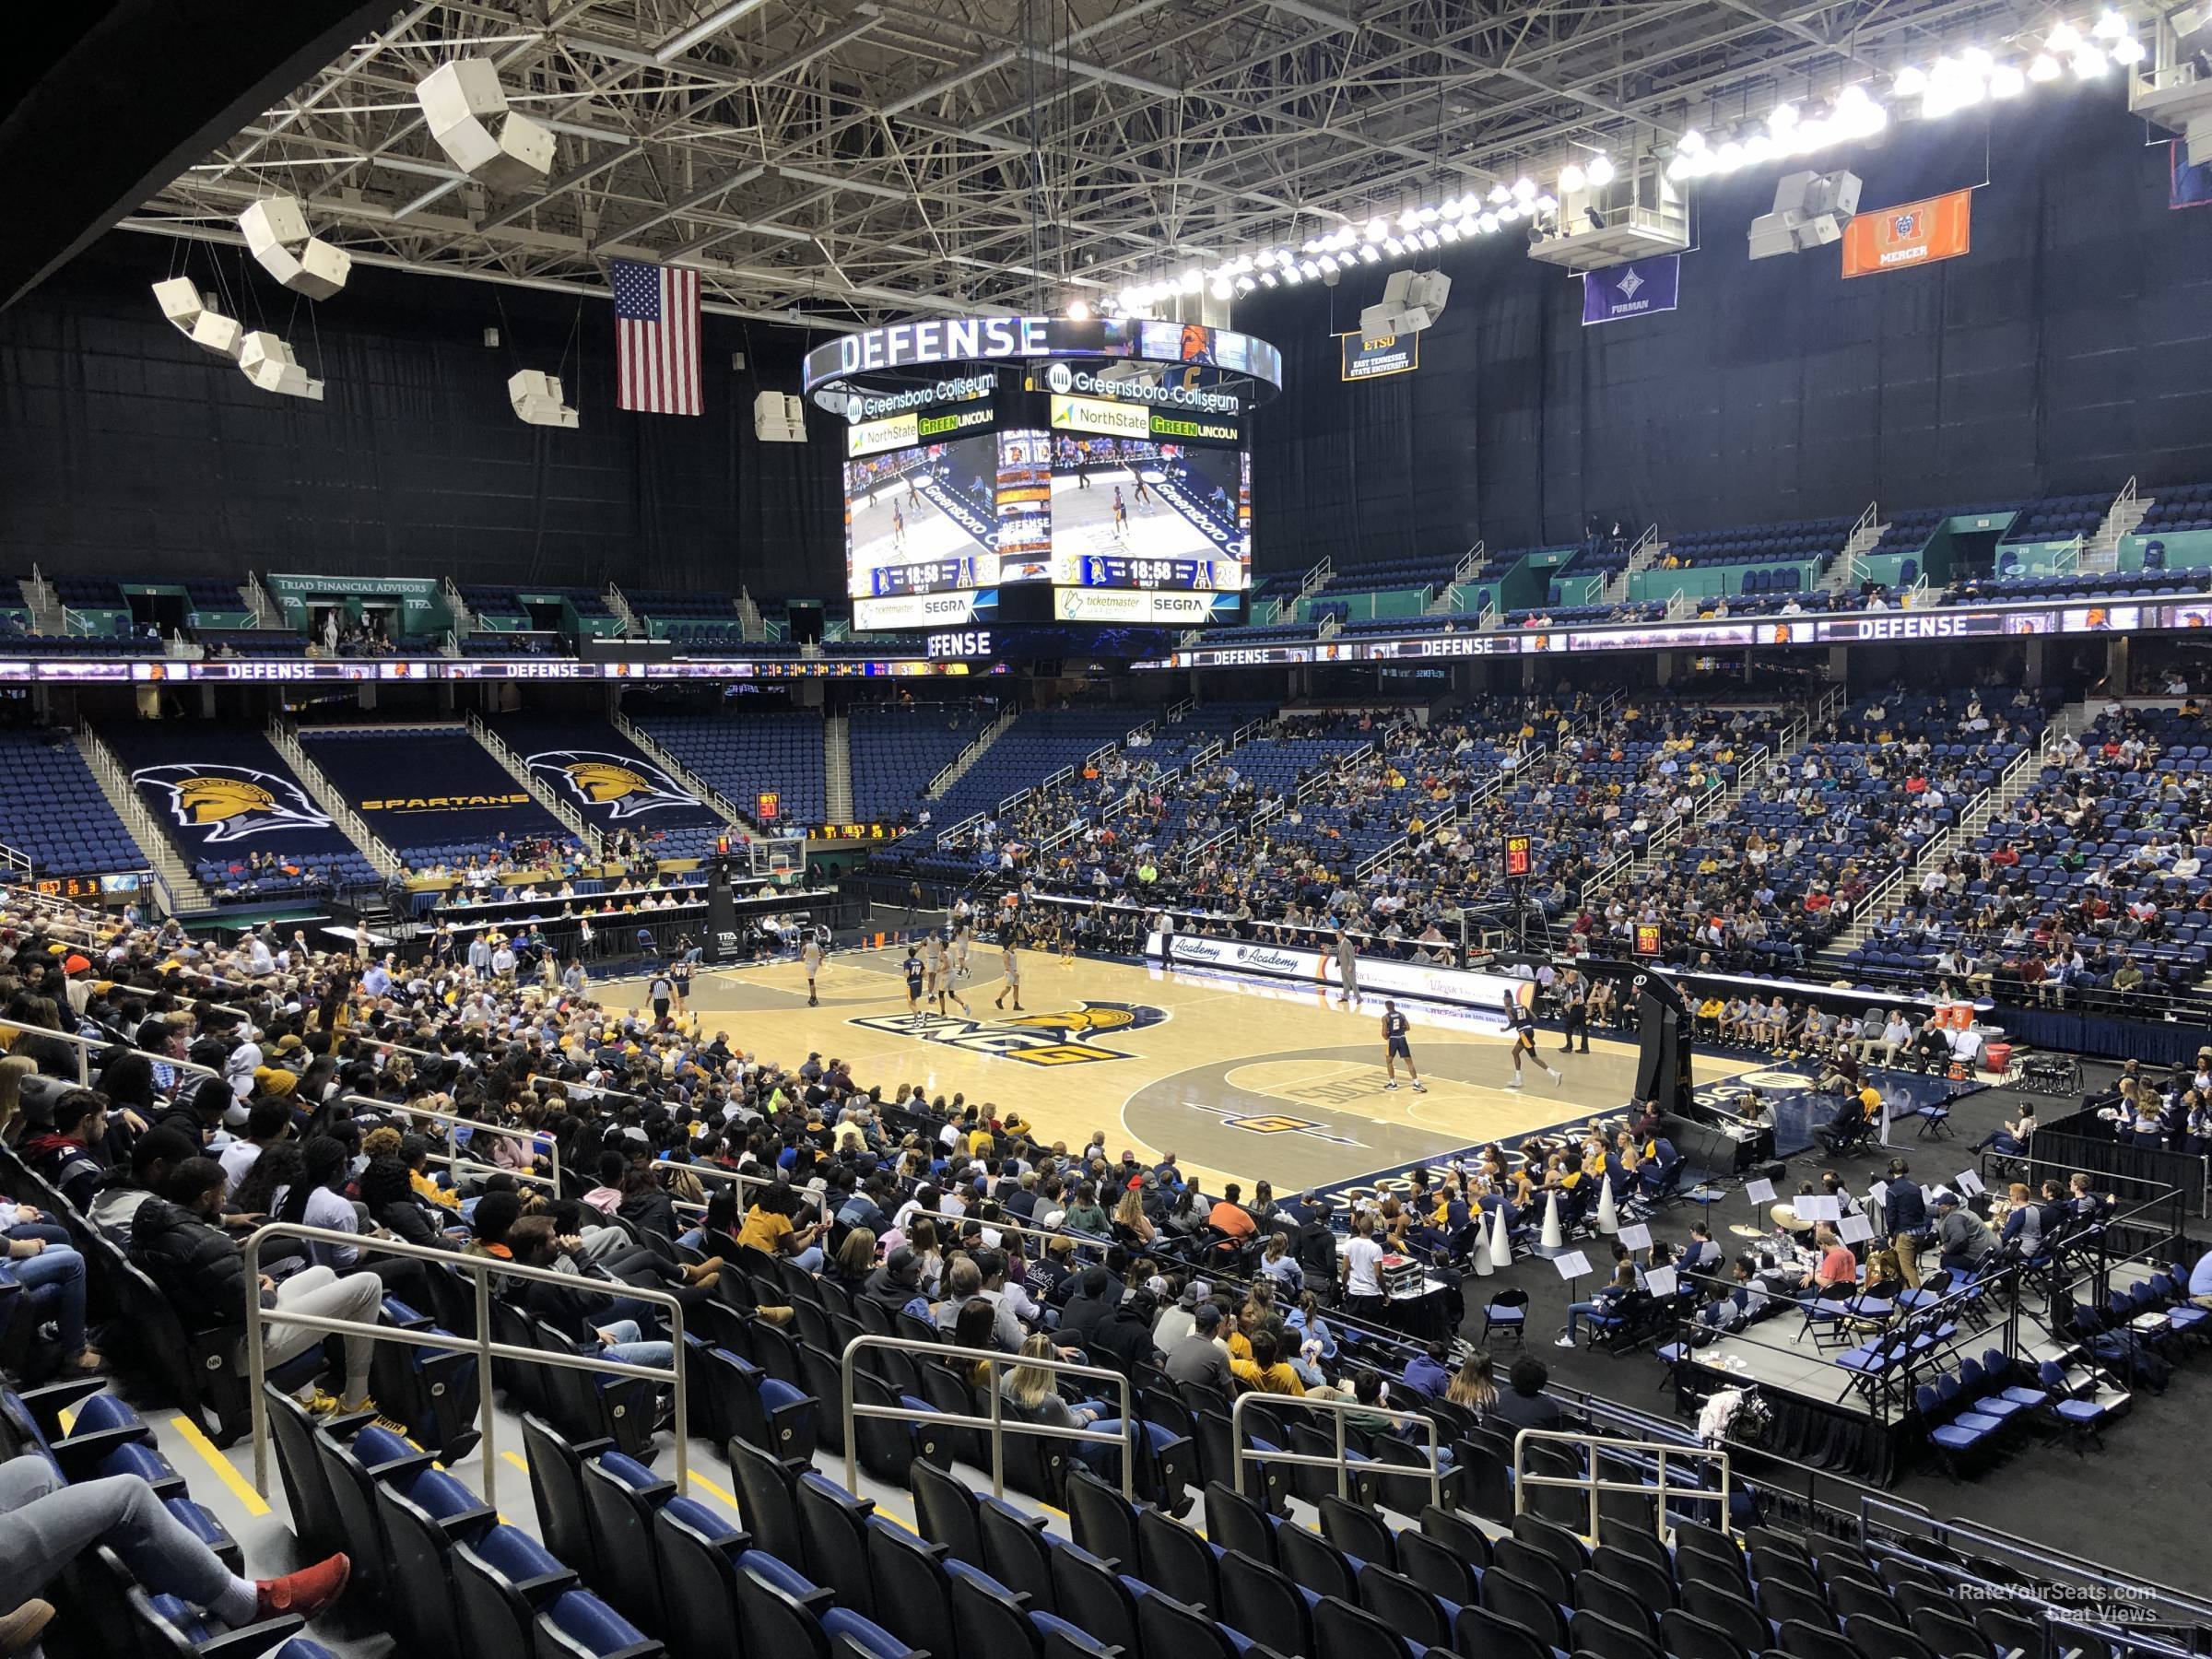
1240, 1080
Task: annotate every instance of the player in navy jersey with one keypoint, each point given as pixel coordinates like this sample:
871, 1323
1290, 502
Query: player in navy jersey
916, 976
1395, 1047
1524, 1039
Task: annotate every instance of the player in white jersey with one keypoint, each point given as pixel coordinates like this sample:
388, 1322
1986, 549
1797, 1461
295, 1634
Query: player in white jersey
810, 958
939, 965
1009, 969
960, 946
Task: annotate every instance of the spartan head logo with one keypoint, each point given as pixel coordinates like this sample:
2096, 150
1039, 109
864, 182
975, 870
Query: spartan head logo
625, 786
1091, 1019
229, 803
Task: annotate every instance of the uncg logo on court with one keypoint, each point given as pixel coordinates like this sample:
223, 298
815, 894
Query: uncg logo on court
1063, 1037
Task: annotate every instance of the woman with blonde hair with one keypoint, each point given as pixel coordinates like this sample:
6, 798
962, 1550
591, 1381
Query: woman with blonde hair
1471, 1385
1036, 1390
1129, 1218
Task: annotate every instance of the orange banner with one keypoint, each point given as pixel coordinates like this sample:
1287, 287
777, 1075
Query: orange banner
1913, 234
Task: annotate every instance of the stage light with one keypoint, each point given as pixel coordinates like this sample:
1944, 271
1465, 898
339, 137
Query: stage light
2004, 81
536, 398
1571, 178
460, 101
2127, 49
1451, 208
2088, 63
1328, 264
2111, 26
1292, 276
1377, 230
1308, 270
1245, 284
2063, 39
1487, 223
1268, 279
1524, 190
1448, 231
1393, 247
2044, 68
1221, 288
1977, 61
1781, 118
1500, 195
1757, 149
1509, 213
1909, 83
1079, 312
1368, 254
1691, 143
1600, 171
276, 235
1547, 203
1729, 157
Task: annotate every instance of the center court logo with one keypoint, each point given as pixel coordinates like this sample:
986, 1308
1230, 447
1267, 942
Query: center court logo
625, 786
229, 803
1061, 1038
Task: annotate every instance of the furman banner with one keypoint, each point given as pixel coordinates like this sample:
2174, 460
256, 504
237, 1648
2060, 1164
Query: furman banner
1913, 233
1370, 357
1635, 289
1481, 993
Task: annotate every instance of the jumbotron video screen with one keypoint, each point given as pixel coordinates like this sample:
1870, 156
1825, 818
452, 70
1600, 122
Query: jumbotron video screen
922, 520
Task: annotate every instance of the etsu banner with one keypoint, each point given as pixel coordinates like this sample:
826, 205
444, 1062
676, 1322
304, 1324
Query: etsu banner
1635, 289
1911, 233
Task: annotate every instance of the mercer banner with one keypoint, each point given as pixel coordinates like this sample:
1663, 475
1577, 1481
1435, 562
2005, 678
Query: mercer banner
1635, 289
1913, 234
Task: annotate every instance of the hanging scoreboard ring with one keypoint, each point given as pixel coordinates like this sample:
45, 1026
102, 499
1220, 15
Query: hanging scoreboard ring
1221, 372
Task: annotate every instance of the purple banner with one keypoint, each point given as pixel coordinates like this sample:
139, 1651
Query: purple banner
1635, 289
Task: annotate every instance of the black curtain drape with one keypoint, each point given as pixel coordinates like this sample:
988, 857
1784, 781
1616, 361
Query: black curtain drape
124, 451
2069, 350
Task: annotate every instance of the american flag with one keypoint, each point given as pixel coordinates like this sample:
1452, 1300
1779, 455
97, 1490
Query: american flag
656, 329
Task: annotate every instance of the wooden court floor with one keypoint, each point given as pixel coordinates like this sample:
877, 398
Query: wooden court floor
1240, 1080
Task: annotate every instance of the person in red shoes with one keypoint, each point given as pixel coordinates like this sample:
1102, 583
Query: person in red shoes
46, 1523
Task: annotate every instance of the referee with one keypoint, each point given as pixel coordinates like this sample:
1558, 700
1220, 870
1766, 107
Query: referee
1574, 1010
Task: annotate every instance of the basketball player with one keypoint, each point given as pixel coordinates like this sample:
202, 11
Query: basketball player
1144, 496
1121, 516
914, 493
960, 941
810, 958
1009, 969
897, 526
1395, 1047
1347, 971
940, 977
1065, 926
916, 978
1525, 1040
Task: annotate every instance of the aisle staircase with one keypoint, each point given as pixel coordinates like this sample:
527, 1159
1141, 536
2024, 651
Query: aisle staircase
837, 769
190, 899
285, 738
499, 750
977, 748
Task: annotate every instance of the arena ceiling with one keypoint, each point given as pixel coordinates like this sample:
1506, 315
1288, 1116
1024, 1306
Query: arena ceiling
848, 161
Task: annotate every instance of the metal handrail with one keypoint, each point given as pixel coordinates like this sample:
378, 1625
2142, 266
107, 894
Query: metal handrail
455, 1160
481, 1268
1592, 1482
1338, 1410
996, 1423
85, 1045
1028, 1230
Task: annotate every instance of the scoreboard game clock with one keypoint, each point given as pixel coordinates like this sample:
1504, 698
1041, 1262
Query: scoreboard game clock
1520, 855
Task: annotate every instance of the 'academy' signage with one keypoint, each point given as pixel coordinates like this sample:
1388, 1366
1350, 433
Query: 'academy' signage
1053, 1039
